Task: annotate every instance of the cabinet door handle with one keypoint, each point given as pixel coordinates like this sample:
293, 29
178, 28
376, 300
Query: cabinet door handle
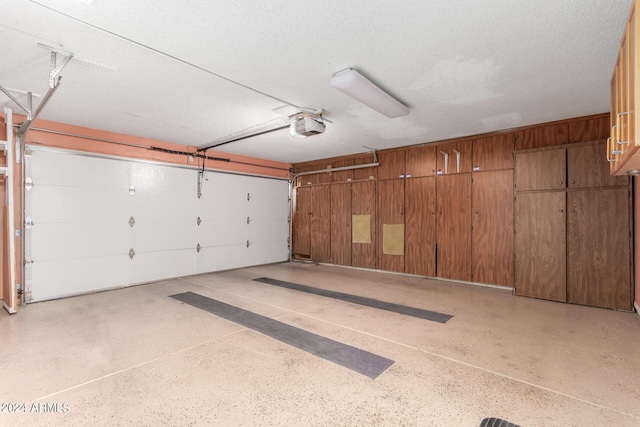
619, 126
609, 159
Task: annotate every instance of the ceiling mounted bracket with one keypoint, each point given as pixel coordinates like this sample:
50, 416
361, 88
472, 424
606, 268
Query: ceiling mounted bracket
55, 68
374, 151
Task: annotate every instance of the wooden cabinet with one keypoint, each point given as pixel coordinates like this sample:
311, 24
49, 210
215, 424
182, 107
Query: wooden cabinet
363, 204
341, 224
448, 154
390, 218
312, 223
420, 226
453, 225
540, 245
391, 165
541, 170
341, 176
598, 251
495, 152
492, 227
586, 167
364, 173
420, 161
622, 149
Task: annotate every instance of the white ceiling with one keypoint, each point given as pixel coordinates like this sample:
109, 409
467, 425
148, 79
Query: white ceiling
197, 71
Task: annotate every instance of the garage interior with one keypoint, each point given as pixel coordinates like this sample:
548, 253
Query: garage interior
331, 214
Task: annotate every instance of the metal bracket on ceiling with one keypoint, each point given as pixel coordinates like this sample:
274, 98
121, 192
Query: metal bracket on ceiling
374, 151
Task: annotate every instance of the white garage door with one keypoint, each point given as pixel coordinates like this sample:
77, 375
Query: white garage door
100, 223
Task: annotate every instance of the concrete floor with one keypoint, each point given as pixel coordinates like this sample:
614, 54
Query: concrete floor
136, 357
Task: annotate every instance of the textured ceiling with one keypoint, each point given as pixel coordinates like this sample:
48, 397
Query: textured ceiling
199, 71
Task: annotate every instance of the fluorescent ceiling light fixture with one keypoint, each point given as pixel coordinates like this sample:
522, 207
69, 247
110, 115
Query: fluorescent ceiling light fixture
359, 87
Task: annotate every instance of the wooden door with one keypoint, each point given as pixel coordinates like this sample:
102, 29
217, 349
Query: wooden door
541, 170
420, 161
420, 226
391, 165
321, 223
494, 152
599, 248
390, 218
540, 245
341, 224
492, 227
454, 226
363, 212
302, 223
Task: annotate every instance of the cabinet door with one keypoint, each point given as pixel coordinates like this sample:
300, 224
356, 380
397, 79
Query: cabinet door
454, 226
391, 165
420, 161
363, 210
599, 248
321, 223
464, 147
540, 245
302, 223
541, 170
420, 221
492, 227
364, 173
341, 176
495, 152
542, 136
341, 224
390, 215
588, 167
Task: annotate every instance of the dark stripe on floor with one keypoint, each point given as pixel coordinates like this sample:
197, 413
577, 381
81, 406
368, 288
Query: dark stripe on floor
369, 302
350, 357
496, 422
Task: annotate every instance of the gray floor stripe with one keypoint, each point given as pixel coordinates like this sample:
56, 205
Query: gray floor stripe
369, 302
361, 361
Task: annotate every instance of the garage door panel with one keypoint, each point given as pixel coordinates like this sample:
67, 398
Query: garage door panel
164, 207
267, 253
267, 231
221, 258
51, 241
152, 266
59, 278
164, 235
75, 204
222, 233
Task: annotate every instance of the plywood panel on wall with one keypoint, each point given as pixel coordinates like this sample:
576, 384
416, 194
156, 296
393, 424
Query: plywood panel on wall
494, 152
390, 211
391, 164
341, 224
492, 227
591, 129
341, 176
302, 222
321, 223
363, 202
541, 170
364, 173
454, 226
599, 264
420, 226
464, 146
420, 161
542, 136
540, 245
317, 178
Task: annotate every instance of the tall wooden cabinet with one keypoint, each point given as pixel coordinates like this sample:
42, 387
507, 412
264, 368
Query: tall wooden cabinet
572, 240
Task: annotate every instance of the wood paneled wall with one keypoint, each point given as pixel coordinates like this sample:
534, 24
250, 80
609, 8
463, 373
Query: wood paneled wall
459, 227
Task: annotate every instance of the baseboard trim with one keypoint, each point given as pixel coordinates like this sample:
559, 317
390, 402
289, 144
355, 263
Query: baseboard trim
9, 309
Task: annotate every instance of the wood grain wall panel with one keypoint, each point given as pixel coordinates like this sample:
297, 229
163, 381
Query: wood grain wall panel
542, 136
587, 167
342, 176
492, 227
321, 223
363, 202
598, 247
464, 146
494, 152
540, 245
541, 170
341, 224
391, 165
453, 216
420, 161
591, 129
390, 210
318, 178
302, 223
420, 226
364, 173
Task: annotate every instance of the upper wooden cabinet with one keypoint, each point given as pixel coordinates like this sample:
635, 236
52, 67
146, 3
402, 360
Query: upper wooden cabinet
420, 161
587, 167
454, 157
622, 148
541, 170
491, 153
391, 165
